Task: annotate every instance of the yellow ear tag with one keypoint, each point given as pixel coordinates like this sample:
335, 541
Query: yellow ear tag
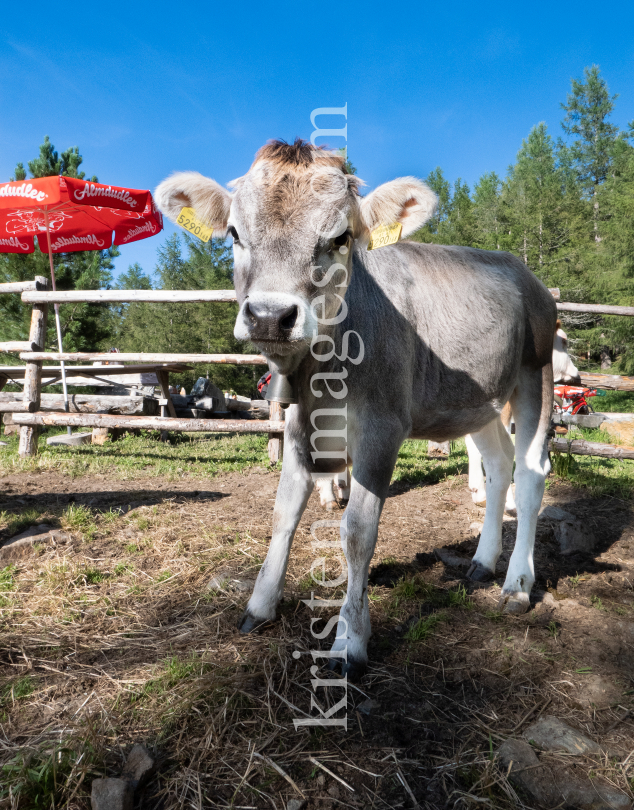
187, 219
385, 235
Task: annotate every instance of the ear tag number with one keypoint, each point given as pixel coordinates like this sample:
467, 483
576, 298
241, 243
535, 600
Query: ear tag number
187, 219
385, 235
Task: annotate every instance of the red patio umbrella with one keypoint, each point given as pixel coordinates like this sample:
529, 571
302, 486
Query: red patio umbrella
67, 214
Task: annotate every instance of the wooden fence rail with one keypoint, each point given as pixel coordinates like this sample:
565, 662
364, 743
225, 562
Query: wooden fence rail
20, 286
102, 420
600, 309
610, 382
146, 357
35, 296
580, 447
129, 296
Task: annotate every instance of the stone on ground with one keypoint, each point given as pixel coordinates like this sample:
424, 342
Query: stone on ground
72, 441
552, 734
574, 538
112, 794
438, 448
368, 706
139, 766
296, 804
553, 786
226, 581
552, 512
452, 560
22, 544
526, 772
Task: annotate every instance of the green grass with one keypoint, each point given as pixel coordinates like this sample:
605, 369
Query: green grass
202, 455
413, 466
14, 524
614, 402
602, 476
20, 688
6, 578
7, 584
90, 576
36, 779
424, 627
122, 568
170, 673
417, 588
79, 518
110, 517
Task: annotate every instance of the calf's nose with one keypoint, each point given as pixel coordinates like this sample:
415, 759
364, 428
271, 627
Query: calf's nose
270, 322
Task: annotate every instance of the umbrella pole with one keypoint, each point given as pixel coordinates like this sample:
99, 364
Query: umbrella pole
57, 321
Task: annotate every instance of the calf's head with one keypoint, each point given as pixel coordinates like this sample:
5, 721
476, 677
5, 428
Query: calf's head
564, 370
294, 219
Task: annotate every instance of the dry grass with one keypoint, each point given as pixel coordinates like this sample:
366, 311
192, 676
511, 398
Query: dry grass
116, 638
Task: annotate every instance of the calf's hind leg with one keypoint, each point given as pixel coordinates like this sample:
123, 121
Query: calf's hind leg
476, 474
532, 404
496, 447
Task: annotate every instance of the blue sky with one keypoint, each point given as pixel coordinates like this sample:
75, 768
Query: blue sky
148, 88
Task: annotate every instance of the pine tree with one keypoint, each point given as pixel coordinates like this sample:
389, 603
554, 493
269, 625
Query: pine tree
534, 195
488, 212
453, 222
461, 216
430, 232
588, 109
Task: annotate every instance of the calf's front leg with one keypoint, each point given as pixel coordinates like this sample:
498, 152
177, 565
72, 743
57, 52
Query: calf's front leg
359, 531
293, 492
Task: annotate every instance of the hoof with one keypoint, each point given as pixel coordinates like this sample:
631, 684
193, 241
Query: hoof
479, 573
249, 623
513, 602
352, 669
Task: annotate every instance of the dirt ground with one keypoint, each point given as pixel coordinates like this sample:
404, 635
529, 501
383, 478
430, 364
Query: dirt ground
123, 640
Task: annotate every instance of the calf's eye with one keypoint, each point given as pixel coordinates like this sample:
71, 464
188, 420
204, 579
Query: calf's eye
342, 239
233, 233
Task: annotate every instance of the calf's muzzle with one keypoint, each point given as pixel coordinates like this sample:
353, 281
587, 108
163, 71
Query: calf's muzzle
270, 322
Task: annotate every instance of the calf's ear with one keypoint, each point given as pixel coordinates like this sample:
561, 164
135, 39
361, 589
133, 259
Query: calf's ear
406, 200
210, 201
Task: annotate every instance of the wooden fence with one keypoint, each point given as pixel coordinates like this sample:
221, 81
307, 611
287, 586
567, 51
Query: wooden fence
29, 416
29, 413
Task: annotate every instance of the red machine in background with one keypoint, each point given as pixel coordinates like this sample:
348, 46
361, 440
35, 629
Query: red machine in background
574, 399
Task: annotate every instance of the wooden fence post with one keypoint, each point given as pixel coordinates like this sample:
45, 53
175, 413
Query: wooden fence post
33, 373
163, 378
276, 440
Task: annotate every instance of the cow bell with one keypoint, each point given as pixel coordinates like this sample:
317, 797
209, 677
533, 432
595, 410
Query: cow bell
282, 389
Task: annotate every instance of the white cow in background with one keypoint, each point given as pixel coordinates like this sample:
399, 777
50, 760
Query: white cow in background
564, 371
337, 488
